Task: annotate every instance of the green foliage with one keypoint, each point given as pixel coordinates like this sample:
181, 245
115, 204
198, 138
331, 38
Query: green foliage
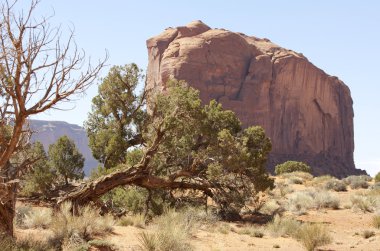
200, 146
66, 159
41, 177
292, 166
117, 115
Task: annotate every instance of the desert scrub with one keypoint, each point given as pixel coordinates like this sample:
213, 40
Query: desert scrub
364, 202
136, 220
357, 181
20, 215
281, 189
224, 228
74, 230
283, 226
292, 166
312, 236
296, 177
271, 207
377, 177
171, 231
325, 199
23, 244
38, 218
301, 201
252, 231
320, 181
336, 185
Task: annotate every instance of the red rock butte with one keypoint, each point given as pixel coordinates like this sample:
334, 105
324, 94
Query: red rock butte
307, 113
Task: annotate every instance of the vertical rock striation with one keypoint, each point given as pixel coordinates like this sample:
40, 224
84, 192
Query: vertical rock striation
307, 114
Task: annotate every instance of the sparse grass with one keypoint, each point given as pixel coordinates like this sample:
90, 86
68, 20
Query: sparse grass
148, 242
368, 234
27, 243
336, 185
224, 228
271, 207
281, 189
136, 220
356, 182
363, 203
71, 230
312, 236
283, 226
172, 231
21, 213
324, 199
251, 231
320, 181
376, 221
297, 177
299, 202
38, 218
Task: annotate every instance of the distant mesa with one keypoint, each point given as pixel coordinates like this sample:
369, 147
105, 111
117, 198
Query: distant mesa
307, 113
47, 132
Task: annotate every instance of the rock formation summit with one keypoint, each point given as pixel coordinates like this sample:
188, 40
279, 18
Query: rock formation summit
307, 114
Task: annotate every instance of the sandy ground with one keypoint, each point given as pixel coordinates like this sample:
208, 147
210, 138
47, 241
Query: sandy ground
345, 226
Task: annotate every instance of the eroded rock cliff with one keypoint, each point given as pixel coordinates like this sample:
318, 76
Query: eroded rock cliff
307, 114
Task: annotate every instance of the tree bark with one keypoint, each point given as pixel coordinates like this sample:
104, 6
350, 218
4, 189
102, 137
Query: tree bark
7, 208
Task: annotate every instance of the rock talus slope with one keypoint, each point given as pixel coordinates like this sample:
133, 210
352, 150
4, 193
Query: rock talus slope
307, 114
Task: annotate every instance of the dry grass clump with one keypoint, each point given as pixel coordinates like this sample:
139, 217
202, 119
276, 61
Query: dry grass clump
301, 201
320, 181
281, 189
252, 231
324, 199
376, 221
172, 231
136, 220
336, 185
297, 177
283, 226
364, 202
357, 181
312, 236
368, 234
74, 230
271, 207
23, 244
38, 218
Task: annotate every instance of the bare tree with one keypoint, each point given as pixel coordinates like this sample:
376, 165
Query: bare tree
38, 71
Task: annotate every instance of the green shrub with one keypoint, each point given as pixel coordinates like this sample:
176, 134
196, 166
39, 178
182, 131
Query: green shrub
377, 177
312, 236
292, 166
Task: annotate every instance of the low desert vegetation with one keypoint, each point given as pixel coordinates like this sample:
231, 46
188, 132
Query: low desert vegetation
312, 236
364, 202
377, 177
283, 227
292, 166
357, 181
376, 221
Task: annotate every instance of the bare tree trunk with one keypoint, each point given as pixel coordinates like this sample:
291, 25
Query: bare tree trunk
7, 208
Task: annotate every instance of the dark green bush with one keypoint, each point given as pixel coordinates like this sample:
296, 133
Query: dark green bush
292, 166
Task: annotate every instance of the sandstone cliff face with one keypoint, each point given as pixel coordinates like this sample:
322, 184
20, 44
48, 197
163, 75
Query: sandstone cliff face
307, 114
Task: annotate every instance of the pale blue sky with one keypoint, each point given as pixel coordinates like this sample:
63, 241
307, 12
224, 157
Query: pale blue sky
340, 37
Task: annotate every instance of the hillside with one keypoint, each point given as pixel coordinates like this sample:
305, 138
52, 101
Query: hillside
47, 132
